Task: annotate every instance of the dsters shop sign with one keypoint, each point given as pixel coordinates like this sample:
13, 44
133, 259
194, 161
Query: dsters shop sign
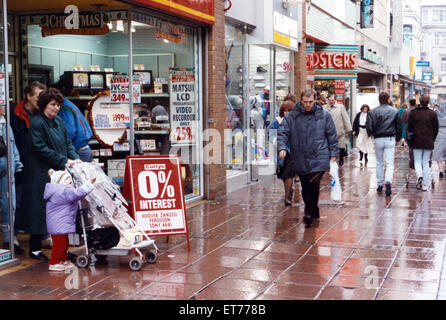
338, 60
332, 61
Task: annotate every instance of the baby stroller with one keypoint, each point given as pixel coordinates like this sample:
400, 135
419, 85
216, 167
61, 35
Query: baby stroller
101, 211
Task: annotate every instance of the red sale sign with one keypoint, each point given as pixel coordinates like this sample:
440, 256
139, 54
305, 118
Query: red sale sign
154, 187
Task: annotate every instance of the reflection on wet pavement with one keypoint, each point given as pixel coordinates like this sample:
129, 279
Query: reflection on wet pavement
250, 246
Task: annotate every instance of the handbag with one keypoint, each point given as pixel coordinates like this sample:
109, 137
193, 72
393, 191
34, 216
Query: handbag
3, 148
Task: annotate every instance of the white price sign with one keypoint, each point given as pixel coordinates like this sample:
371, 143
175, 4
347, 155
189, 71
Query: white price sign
120, 90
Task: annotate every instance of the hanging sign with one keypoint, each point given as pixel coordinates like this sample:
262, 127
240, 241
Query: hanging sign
366, 14
154, 187
339, 91
183, 113
120, 89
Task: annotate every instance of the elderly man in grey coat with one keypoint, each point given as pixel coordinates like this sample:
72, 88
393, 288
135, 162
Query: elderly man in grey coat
342, 124
310, 132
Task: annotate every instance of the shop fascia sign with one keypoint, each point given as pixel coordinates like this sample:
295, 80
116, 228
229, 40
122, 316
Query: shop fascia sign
328, 60
285, 30
74, 22
369, 55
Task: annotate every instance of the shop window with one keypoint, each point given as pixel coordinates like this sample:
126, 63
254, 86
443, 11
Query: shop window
234, 138
167, 53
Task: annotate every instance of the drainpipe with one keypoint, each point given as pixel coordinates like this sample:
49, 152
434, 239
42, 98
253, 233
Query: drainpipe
132, 119
206, 122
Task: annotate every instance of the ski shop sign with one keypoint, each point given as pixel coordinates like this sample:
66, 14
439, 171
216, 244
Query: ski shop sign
183, 113
155, 189
120, 89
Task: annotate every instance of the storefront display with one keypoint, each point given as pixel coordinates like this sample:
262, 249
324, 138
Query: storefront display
91, 69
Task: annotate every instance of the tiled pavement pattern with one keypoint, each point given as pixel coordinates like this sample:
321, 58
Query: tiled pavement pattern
250, 246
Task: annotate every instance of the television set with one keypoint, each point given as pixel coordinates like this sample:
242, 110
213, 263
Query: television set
146, 76
97, 81
80, 80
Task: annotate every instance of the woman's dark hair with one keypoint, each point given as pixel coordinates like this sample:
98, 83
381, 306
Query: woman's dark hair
291, 97
383, 98
46, 96
286, 106
365, 106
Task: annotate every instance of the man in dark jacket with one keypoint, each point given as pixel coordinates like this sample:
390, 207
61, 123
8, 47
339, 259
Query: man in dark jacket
384, 124
423, 123
21, 115
311, 134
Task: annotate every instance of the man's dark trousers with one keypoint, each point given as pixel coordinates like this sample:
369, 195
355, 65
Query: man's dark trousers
310, 192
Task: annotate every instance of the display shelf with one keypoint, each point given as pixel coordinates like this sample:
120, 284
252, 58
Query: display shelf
151, 132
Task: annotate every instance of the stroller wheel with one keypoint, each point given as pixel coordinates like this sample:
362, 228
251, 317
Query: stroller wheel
135, 264
82, 261
151, 257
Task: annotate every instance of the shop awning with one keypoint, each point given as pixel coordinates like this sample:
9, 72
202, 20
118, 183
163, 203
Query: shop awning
46, 5
315, 39
415, 82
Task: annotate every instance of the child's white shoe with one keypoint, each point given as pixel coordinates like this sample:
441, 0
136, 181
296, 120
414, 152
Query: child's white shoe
68, 264
57, 267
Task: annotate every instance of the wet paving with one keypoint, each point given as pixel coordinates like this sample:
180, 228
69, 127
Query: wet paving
249, 246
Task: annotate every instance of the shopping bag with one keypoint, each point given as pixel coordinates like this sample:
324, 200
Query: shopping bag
336, 190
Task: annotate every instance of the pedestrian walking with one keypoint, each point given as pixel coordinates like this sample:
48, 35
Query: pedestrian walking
404, 119
15, 165
423, 124
384, 124
310, 133
284, 169
62, 203
363, 142
439, 153
401, 112
342, 123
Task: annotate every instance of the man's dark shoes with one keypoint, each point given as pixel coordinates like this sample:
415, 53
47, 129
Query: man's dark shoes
380, 189
441, 175
288, 203
388, 189
39, 256
308, 221
419, 183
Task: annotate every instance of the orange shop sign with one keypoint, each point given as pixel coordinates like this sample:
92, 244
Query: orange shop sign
200, 10
329, 60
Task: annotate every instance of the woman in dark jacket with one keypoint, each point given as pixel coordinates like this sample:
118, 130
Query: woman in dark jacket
284, 170
363, 142
50, 148
423, 126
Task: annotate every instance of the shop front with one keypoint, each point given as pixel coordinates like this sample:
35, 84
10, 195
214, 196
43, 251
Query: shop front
96, 55
260, 51
333, 69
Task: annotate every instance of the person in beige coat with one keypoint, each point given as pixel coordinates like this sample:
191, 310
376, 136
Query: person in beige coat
342, 123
